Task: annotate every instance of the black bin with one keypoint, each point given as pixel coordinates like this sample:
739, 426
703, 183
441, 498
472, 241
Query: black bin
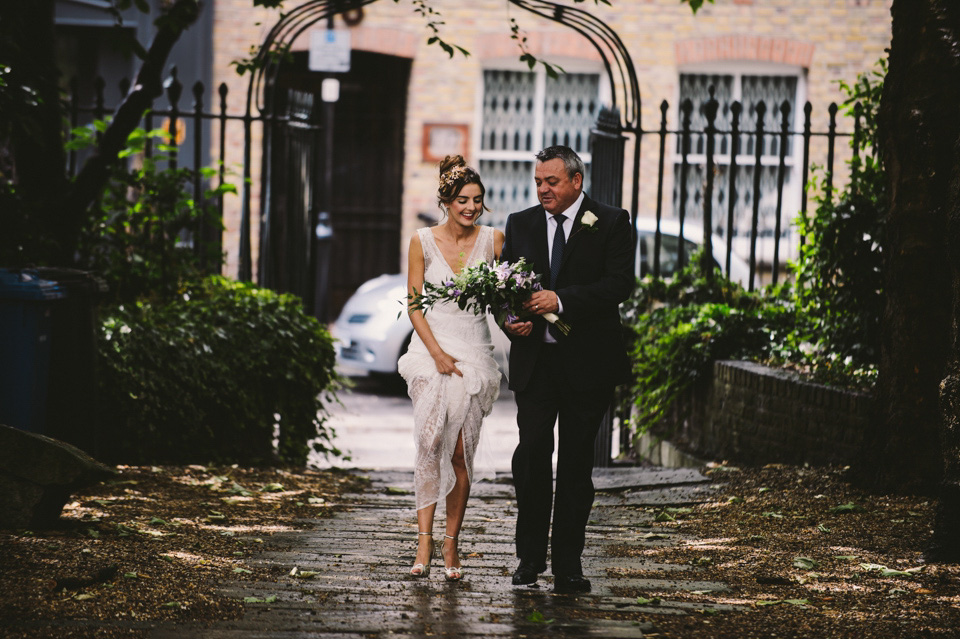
73, 397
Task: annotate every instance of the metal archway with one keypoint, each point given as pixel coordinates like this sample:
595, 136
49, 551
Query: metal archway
622, 116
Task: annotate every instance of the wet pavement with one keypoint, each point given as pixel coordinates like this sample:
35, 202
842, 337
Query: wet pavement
351, 578
374, 425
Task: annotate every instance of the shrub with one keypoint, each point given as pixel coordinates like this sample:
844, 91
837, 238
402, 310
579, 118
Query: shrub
210, 376
145, 234
683, 324
826, 326
838, 272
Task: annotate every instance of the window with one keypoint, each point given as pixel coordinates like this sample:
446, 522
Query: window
524, 112
749, 90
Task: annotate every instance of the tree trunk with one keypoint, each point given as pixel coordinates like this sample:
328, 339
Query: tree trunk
36, 134
93, 176
918, 137
946, 538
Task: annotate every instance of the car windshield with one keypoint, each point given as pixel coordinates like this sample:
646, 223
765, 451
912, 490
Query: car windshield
669, 245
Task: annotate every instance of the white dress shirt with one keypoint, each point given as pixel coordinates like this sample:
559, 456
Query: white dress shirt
571, 214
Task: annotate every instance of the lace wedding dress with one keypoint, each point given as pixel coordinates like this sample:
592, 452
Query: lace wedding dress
447, 405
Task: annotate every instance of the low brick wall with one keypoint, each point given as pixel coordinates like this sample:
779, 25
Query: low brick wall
755, 414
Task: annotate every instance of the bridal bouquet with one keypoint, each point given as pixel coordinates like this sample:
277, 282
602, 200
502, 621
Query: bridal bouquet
500, 290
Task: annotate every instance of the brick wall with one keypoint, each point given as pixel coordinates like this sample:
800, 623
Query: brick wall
828, 40
750, 413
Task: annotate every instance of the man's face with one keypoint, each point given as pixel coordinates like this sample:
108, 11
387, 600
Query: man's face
555, 190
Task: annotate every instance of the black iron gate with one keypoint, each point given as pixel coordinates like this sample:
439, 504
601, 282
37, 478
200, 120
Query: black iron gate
287, 241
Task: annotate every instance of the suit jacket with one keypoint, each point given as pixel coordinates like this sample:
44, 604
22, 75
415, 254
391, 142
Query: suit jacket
596, 275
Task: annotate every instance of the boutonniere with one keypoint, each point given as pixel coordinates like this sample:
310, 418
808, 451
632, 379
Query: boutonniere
587, 223
588, 220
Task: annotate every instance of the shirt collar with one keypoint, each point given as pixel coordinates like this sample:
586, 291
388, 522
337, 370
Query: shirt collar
571, 211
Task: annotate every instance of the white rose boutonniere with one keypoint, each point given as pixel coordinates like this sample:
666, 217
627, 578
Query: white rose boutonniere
588, 221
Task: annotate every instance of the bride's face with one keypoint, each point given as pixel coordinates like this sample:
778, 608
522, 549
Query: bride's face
467, 206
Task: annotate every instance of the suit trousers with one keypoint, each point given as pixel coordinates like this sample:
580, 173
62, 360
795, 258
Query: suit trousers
548, 395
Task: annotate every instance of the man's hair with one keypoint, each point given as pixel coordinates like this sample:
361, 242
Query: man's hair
571, 161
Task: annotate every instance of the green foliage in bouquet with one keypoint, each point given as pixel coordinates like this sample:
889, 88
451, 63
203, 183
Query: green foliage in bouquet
500, 289
217, 375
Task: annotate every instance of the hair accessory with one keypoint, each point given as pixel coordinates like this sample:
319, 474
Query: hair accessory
450, 177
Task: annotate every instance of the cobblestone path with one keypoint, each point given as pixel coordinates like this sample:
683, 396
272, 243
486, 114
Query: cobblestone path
358, 585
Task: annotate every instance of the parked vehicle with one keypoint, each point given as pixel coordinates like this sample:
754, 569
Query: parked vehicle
373, 329
669, 245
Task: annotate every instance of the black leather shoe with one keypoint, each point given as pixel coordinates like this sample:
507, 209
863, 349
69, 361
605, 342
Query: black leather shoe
527, 574
570, 584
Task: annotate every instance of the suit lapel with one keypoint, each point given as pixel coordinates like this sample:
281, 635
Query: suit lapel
538, 231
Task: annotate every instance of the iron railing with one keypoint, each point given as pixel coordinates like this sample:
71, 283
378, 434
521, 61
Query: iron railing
192, 129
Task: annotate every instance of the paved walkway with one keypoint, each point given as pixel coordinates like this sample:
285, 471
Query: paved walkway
360, 557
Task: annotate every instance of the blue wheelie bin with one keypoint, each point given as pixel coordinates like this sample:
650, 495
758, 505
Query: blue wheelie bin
27, 303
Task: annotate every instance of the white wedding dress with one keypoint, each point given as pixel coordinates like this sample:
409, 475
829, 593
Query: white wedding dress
446, 405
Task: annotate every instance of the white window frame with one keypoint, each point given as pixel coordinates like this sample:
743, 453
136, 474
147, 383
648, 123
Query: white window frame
792, 192
569, 65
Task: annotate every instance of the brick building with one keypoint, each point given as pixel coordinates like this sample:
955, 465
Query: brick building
497, 112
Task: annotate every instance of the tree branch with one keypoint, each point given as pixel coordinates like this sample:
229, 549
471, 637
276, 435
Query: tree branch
89, 183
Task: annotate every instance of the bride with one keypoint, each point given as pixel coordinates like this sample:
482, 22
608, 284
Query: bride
449, 368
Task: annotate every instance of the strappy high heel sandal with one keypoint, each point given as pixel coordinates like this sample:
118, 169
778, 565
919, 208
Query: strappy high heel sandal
453, 573
423, 570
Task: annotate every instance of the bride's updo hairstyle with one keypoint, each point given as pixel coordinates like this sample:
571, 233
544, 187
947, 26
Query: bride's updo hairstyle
454, 175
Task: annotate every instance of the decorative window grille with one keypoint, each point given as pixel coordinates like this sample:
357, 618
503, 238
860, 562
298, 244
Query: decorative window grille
749, 90
524, 112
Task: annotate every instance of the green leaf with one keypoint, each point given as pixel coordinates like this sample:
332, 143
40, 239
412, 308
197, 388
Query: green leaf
272, 488
172, 604
239, 570
823, 529
537, 617
237, 489
643, 601
848, 508
805, 563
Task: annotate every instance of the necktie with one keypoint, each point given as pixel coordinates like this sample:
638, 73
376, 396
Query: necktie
559, 241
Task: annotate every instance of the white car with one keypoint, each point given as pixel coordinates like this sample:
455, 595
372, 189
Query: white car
373, 329
669, 243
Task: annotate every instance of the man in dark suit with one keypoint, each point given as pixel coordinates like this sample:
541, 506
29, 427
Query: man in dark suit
584, 252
